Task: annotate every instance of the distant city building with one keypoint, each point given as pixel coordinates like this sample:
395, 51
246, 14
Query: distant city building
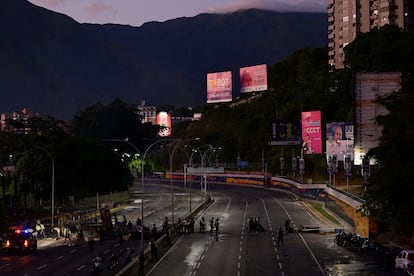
348, 18
26, 122
22, 117
148, 113
197, 116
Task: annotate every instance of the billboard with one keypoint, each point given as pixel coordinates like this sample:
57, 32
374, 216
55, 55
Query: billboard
340, 140
253, 78
164, 120
311, 132
219, 87
286, 132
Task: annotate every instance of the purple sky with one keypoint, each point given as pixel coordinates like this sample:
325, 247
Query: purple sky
137, 12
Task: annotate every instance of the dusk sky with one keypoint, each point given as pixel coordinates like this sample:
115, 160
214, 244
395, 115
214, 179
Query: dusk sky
137, 12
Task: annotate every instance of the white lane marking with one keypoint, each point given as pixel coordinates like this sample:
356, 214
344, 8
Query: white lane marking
59, 258
310, 252
41, 267
242, 238
279, 263
303, 240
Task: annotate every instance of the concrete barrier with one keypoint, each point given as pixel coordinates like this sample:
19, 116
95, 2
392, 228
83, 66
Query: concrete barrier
162, 242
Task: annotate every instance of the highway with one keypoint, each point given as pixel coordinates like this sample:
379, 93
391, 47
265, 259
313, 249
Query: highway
56, 257
236, 251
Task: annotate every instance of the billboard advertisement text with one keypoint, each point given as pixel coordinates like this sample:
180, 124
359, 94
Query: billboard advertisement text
253, 78
286, 130
311, 132
219, 87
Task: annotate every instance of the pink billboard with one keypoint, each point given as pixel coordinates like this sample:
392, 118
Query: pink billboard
164, 120
253, 78
311, 132
219, 87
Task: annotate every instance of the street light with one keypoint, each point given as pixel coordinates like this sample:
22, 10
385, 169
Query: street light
171, 171
213, 152
204, 160
142, 197
191, 181
196, 150
53, 181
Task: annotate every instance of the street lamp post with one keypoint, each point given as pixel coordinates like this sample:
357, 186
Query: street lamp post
142, 183
204, 160
171, 172
294, 163
196, 150
191, 181
142, 175
53, 181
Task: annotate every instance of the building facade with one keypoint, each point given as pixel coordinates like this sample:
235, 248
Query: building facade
368, 86
148, 113
347, 18
22, 117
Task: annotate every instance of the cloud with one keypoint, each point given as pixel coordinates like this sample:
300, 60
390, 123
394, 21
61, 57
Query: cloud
277, 5
99, 7
49, 3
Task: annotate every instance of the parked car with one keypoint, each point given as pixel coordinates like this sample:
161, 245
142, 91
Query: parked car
410, 269
21, 240
404, 259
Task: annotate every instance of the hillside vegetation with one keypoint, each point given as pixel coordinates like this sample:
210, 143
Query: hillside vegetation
303, 81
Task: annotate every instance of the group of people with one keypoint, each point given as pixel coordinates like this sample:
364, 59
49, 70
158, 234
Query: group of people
187, 225
214, 227
254, 225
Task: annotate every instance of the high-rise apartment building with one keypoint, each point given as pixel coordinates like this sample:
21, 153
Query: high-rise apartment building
347, 18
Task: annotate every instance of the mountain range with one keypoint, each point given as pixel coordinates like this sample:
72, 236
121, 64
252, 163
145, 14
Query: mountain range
58, 66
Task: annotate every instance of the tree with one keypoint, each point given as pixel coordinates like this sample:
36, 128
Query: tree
117, 120
82, 167
381, 50
391, 193
389, 196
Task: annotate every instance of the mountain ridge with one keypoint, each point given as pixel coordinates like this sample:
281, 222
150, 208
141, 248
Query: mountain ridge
59, 66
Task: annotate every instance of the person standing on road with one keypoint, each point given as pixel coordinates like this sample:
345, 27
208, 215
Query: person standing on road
287, 226
101, 232
280, 237
217, 224
202, 225
153, 247
91, 242
141, 259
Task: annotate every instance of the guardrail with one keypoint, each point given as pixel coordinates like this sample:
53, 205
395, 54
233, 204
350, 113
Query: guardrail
164, 241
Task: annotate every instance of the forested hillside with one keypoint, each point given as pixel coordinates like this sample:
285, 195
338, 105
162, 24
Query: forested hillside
303, 81
58, 66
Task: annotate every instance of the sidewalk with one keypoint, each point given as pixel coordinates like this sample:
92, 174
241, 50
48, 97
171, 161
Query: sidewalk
332, 222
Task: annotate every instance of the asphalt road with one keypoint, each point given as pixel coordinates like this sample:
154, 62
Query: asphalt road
240, 252
237, 251
56, 257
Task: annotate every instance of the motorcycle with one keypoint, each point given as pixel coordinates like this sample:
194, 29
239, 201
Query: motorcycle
115, 259
97, 265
